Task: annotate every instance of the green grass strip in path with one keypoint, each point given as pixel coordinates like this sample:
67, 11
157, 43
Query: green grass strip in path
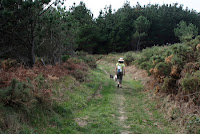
140, 110
101, 112
143, 117
90, 108
94, 108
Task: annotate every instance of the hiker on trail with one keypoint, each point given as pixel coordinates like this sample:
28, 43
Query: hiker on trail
120, 71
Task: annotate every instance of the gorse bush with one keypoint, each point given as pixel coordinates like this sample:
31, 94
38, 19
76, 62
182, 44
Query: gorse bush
129, 58
26, 93
84, 57
156, 59
90, 60
163, 69
80, 75
174, 67
17, 94
169, 85
191, 82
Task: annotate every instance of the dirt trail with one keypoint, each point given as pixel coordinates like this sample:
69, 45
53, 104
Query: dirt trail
123, 117
121, 102
136, 112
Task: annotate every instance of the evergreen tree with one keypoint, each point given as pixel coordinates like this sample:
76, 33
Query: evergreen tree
185, 32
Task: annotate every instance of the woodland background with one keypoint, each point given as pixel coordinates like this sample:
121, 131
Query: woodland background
30, 29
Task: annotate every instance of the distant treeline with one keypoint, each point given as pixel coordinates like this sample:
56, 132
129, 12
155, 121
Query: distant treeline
35, 28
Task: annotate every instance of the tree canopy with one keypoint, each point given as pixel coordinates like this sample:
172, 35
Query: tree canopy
28, 30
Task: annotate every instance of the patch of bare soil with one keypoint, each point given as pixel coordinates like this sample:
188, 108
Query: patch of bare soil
82, 122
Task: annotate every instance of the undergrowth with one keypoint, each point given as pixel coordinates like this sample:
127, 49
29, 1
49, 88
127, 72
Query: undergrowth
175, 69
32, 99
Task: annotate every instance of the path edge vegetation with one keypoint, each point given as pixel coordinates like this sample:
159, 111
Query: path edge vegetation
174, 72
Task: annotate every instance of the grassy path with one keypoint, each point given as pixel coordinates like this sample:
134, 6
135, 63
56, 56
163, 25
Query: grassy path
137, 113
112, 110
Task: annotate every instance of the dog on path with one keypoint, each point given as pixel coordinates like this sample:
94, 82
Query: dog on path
113, 77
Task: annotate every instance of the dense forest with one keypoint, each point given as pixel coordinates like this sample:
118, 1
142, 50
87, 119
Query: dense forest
45, 29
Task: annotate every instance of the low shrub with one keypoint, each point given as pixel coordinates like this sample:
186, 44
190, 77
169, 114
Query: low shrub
81, 53
129, 58
26, 93
9, 63
191, 82
168, 59
146, 65
156, 59
163, 69
191, 67
90, 60
65, 58
181, 49
84, 57
194, 43
80, 75
169, 85
75, 60
175, 71
17, 94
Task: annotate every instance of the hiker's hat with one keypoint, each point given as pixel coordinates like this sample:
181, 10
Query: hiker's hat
121, 59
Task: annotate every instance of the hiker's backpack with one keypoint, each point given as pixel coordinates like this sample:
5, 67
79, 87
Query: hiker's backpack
119, 68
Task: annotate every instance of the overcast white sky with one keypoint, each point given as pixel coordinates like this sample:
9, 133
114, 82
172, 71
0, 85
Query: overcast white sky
96, 5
